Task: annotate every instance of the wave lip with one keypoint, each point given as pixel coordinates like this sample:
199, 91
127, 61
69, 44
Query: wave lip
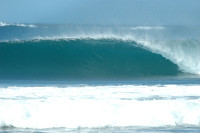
2, 24
183, 52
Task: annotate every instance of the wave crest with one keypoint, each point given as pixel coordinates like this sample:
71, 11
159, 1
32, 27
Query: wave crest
184, 53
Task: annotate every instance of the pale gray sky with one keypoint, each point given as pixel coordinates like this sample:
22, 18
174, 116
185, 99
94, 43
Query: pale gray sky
142, 12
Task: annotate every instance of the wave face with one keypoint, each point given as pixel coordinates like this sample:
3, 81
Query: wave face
81, 59
98, 52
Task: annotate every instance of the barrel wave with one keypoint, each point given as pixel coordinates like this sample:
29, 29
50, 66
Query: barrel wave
81, 59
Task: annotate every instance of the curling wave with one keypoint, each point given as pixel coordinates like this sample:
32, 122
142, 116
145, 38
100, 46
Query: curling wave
83, 58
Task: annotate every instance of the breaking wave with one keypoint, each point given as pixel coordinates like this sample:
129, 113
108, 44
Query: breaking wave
96, 58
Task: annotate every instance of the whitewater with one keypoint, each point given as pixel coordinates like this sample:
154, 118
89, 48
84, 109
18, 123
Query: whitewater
88, 78
99, 106
95, 108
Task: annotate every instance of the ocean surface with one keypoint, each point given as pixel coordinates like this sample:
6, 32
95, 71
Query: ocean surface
95, 78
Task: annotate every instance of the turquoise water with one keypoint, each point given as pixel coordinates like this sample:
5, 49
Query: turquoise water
80, 59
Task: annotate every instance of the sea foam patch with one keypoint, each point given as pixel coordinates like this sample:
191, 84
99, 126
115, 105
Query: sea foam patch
99, 106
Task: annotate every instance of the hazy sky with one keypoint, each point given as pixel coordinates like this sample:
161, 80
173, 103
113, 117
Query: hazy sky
142, 12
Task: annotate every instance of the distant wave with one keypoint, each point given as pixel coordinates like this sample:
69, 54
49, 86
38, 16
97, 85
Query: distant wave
148, 28
17, 24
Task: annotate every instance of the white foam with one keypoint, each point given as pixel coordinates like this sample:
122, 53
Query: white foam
97, 106
17, 24
3, 24
184, 53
